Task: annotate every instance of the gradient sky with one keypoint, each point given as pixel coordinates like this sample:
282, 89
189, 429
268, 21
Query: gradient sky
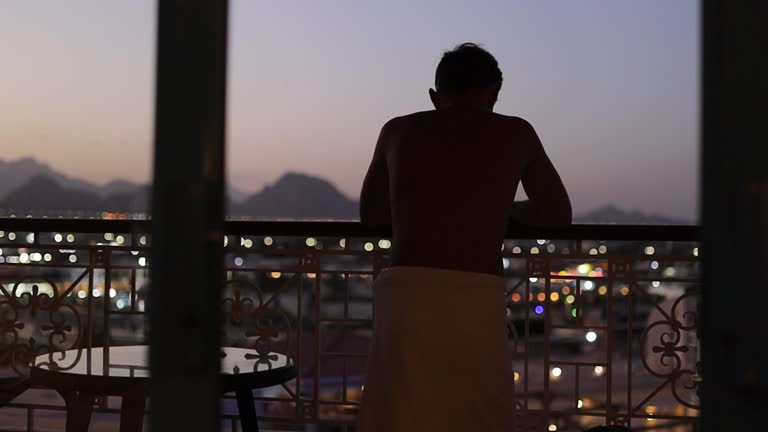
612, 87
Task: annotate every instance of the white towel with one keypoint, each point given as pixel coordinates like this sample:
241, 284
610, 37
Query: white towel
438, 360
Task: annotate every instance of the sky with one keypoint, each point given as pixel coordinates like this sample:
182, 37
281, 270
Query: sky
612, 87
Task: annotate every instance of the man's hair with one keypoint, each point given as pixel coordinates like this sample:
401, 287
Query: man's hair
467, 67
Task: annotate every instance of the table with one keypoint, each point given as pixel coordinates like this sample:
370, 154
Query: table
127, 375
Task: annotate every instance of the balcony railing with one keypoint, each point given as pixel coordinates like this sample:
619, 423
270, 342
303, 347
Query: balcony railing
602, 319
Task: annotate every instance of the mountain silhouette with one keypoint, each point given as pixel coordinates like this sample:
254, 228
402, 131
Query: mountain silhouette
297, 195
28, 187
611, 214
16, 173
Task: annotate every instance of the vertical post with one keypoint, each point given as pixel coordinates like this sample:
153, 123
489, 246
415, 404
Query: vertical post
187, 215
735, 214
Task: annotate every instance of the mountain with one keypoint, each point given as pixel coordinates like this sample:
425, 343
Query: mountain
28, 186
14, 174
610, 214
42, 195
293, 195
296, 195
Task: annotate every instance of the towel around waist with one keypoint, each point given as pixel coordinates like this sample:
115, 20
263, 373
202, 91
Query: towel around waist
430, 304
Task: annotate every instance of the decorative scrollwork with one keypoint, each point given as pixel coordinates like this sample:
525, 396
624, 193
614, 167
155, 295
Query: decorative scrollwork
27, 318
665, 339
261, 320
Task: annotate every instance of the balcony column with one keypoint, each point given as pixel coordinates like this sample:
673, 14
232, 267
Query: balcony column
187, 215
734, 214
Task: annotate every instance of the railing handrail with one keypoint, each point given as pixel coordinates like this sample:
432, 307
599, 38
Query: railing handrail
327, 228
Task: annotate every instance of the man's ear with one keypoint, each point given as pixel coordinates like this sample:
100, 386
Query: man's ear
434, 98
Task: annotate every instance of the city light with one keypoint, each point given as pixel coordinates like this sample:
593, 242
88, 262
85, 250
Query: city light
566, 290
343, 243
552, 428
142, 261
82, 294
589, 285
599, 370
96, 292
47, 257
602, 290
248, 243
73, 258
593, 251
534, 250
584, 268
11, 236
516, 375
120, 239
368, 246
311, 242
112, 293
70, 238
539, 309
551, 248
268, 241
591, 336
649, 250
30, 238
541, 297
557, 372
143, 240
275, 275
120, 303
515, 297
533, 279
570, 299
624, 291
541, 242
385, 244
238, 261
516, 250
58, 238
602, 249
553, 296
654, 265
109, 236
579, 403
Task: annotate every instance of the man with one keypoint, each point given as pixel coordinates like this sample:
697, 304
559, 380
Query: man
445, 181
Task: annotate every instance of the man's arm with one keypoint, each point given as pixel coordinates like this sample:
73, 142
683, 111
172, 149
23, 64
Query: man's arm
548, 203
374, 198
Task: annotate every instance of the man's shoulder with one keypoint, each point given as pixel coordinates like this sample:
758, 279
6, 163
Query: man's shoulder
407, 118
507, 122
513, 121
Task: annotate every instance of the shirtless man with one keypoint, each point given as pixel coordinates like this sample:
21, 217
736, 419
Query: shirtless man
445, 181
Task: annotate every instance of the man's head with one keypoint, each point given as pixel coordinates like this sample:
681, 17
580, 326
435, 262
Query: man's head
468, 76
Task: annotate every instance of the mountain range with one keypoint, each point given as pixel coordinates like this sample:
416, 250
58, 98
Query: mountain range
30, 187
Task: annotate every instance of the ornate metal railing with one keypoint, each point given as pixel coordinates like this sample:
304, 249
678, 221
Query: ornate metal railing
602, 319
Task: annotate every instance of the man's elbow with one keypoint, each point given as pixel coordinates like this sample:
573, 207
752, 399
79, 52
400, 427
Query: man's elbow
374, 219
560, 216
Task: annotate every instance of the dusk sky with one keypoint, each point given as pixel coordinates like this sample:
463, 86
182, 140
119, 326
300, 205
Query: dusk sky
612, 87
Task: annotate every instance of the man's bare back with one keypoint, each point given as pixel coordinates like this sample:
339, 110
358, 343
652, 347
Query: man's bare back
451, 178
